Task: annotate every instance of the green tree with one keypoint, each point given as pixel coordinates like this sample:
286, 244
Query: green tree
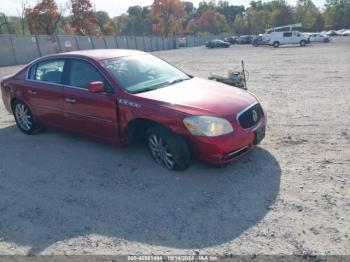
240, 25
209, 22
137, 22
83, 17
105, 23
337, 14
168, 16
204, 6
309, 15
229, 11
43, 18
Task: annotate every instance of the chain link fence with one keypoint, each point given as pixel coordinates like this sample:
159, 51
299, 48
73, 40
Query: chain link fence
21, 49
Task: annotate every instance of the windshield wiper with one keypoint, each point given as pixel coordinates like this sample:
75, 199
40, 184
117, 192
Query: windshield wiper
168, 83
177, 81
150, 88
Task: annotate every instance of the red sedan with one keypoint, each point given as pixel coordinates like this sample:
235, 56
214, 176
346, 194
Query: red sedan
121, 96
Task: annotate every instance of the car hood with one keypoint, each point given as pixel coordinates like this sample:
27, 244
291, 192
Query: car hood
201, 97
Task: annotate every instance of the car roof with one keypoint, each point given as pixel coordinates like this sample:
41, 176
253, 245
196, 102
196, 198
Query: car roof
100, 54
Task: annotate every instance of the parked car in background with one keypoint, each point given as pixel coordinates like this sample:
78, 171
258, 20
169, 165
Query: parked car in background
340, 32
287, 37
217, 43
331, 33
346, 32
317, 37
121, 96
231, 39
260, 40
244, 39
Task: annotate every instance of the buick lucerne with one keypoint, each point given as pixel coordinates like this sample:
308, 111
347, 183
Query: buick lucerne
121, 96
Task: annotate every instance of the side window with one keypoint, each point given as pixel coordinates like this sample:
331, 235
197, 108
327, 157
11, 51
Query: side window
287, 34
48, 71
82, 73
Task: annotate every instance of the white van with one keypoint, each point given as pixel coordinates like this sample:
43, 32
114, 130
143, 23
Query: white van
287, 37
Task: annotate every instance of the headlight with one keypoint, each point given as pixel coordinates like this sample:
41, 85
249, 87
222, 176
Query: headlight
207, 126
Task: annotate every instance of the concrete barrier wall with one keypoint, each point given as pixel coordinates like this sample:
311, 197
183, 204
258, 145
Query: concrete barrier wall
6, 51
67, 43
111, 42
160, 43
98, 42
83, 42
148, 43
48, 44
122, 42
132, 42
21, 49
154, 44
26, 48
140, 43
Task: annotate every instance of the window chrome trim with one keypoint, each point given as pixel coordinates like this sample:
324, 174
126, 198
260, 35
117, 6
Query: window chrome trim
44, 82
246, 109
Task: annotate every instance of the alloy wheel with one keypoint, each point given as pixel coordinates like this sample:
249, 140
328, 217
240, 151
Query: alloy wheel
23, 116
160, 151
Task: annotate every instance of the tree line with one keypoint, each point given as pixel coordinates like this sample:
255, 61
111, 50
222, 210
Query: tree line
174, 17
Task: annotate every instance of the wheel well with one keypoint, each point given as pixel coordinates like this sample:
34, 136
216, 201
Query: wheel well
13, 102
137, 129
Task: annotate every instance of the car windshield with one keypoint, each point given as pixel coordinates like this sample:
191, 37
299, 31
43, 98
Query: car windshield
143, 72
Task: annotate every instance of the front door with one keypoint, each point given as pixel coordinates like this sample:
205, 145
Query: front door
93, 114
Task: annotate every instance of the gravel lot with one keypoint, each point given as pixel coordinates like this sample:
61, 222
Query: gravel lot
62, 194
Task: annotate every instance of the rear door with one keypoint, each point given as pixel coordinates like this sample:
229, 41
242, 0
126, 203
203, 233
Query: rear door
93, 114
44, 91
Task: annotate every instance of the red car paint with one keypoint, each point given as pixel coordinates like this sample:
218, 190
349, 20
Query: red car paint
107, 116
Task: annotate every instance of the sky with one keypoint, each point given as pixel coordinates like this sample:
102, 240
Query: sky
114, 7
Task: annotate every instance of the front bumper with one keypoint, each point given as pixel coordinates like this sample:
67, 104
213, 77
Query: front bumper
226, 148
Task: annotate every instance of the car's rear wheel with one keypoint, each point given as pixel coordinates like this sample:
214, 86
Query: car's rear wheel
302, 43
168, 149
276, 44
25, 119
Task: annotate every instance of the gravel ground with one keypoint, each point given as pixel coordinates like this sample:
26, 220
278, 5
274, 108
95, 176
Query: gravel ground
62, 194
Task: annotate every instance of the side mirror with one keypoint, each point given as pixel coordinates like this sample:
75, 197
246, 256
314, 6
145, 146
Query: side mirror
96, 87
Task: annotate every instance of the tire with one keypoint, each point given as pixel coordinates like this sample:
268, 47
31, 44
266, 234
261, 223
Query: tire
326, 40
25, 120
302, 43
168, 149
276, 44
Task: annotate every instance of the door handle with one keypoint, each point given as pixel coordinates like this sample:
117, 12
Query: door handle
32, 92
70, 100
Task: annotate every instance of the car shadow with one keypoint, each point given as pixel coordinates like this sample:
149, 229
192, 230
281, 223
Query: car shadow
55, 186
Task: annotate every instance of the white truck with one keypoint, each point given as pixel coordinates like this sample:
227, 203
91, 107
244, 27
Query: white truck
287, 37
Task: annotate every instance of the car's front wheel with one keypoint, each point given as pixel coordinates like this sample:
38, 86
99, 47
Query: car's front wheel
276, 44
168, 149
25, 119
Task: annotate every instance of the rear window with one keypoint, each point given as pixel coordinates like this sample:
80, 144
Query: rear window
47, 71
